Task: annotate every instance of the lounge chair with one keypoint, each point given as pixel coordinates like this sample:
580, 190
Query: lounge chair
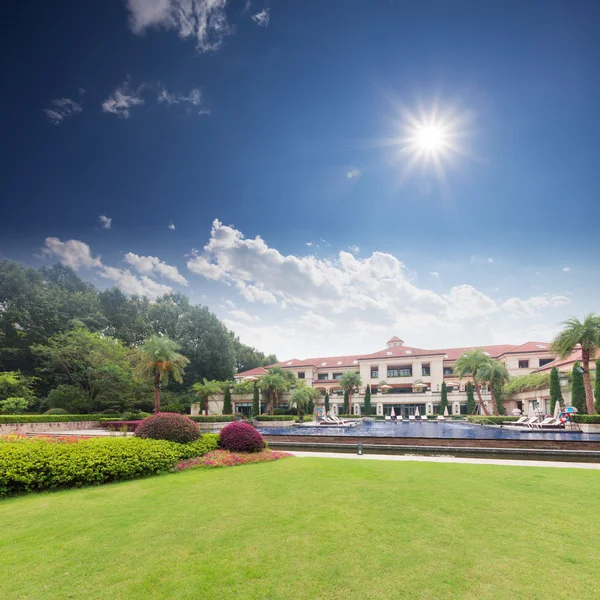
520, 421
388, 417
533, 423
424, 418
441, 418
399, 418
551, 422
412, 418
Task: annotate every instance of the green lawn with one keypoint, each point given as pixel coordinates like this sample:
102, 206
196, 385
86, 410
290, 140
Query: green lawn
308, 529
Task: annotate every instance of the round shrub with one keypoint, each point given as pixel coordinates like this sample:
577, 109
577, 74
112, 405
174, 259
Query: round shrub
56, 411
241, 437
169, 426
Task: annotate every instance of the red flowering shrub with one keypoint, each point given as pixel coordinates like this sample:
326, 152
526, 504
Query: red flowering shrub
169, 426
241, 437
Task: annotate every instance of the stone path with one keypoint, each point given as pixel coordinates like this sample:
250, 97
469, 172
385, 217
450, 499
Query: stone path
450, 459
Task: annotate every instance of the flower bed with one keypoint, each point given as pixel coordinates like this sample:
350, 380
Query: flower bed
225, 458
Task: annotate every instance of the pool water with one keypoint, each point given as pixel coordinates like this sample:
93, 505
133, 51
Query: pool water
434, 429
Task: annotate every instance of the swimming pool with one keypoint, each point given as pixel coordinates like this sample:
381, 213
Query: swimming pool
435, 429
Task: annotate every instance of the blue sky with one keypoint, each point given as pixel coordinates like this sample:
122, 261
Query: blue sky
288, 121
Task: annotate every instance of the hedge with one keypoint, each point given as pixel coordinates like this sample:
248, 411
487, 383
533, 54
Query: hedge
588, 419
275, 418
213, 418
11, 419
490, 420
33, 464
347, 416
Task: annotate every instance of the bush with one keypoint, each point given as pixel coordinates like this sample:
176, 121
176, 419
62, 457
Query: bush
349, 416
206, 443
489, 420
589, 419
68, 397
15, 419
276, 418
135, 415
14, 405
169, 426
241, 437
56, 411
212, 418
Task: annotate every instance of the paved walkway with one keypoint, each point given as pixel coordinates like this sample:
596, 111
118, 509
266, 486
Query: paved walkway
450, 459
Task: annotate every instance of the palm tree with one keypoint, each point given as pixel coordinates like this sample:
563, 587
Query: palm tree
159, 359
272, 385
207, 389
587, 335
493, 373
302, 395
469, 364
350, 381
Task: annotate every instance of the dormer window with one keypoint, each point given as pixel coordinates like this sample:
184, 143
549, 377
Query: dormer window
389, 353
339, 362
291, 361
324, 364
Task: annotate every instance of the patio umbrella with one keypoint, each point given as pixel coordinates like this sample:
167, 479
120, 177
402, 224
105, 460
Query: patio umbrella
557, 410
446, 411
393, 412
417, 413
531, 411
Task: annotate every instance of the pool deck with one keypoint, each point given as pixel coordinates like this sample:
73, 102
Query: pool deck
451, 459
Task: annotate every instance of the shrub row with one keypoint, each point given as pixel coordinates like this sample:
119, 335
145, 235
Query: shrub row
276, 418
588, 419
213, 418
489, 420
12, 419
33, 464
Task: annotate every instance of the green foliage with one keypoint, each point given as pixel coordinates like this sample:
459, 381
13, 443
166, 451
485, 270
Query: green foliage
205, 390
273, 385
494, 373
227, 407
14, 384
555, 390
35, 464
471, 405
247, 357
213, 418
276, 418
169, 426
327, 403
255, 402
597, 387
586, 333
244, 387
56, 411
443, 398
367, 400
346, 409
69, 398
302, 396
490, 419
10, 419
589, 419
578, 390
350, 382
14, 406
525, 383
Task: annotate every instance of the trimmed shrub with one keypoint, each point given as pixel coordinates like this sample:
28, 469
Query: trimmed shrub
490, 420
589, 419
135, 415
16, 419
349, 416
212, 418
169, 426
276, 418
241, 437
206, 443
56, 411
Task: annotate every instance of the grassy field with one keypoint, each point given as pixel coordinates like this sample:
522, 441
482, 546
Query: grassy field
310, 529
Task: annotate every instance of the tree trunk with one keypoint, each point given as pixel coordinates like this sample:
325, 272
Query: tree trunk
480, 400
157, 392
587, 383
350, 402
494, 403
206, 405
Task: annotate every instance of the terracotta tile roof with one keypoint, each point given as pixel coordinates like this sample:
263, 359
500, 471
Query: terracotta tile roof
567, 363
394, 339
401, 351
494, 350
529, 347
332, 361
256, 372
294, 362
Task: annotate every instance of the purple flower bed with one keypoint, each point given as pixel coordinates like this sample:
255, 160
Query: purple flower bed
241, 437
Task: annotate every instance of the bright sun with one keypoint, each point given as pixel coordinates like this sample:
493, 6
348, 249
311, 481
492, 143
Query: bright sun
430, 138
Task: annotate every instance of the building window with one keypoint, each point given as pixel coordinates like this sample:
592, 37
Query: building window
426, 370
322, 376
448, 371
374, 373
399, 372
545, 361
523, 364
301, 375
337, 375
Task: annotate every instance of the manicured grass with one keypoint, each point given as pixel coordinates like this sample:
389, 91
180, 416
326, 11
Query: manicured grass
311, 529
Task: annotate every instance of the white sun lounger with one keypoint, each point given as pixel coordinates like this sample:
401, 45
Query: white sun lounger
424, 418
441, 418
388, 418
412, 418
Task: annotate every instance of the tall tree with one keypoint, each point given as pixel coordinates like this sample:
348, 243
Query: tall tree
206, 389
578, 396
159, 359
255, 402
227, 408
586, 333
367, 401
469, 364
346, 409
597, 390
127, 316
493, 373
555, 390
350, 382
326, 403
273, 385
471, 404
443, 398
247, 357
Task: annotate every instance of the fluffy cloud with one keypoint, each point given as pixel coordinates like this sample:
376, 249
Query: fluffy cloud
566, 269
354, 249
435, 274
77, 254
123, 99
532, 306
62, 108
172, 226
105, 221
262, 18
203, 20
152, 264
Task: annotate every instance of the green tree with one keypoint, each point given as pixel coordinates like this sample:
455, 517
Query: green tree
14, 406
493, 373
205, 390
578, 397
350, 382
227, 408
346, 409
597, 390
273, 384
70, 398
127, 316
586, 333
255, 402
469, 363
471, 405
159, 359
326, 403
443, 398
247, 357
16, 385
555, 391
367, 401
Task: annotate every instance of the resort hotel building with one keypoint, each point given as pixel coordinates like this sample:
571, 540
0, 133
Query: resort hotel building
404, 379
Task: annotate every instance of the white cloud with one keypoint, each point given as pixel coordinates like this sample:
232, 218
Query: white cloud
566, 269
123, 99
193, 99
62, 108
204, 20
172, 226
152, 264
435, 274
255, 294
72, 253
309, 244
105, 221
77, 254
490, 260
531, 306
262, 18
354, 249
243, 315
